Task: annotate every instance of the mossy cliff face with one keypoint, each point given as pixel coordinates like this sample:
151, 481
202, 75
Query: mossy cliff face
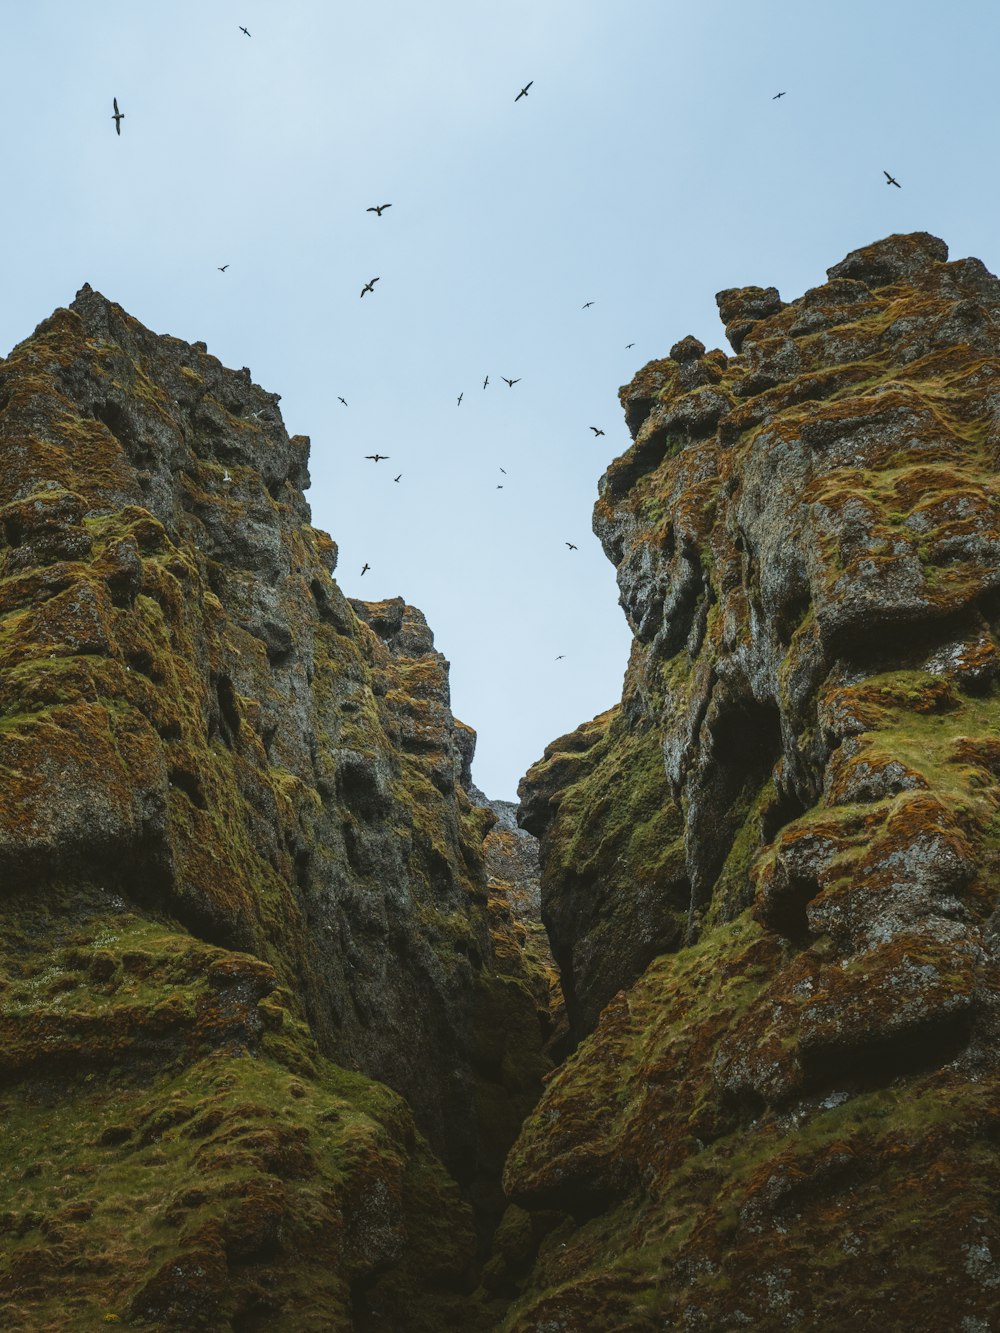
787, 1115
238, 859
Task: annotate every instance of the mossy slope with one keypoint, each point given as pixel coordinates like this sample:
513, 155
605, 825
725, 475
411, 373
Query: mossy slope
180, 1155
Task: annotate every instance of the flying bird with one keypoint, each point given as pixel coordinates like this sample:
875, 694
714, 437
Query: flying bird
524, 90
597, 431
891, 180
242, 29
118, 116
397, 478
222, 267
375, 458
499, 485
341, 400
366, 569
510, 383
486, 381
776, 96
586, 305
571, 546
378, 209
503, 470
369, 286
460, 397
560, 657
628, 345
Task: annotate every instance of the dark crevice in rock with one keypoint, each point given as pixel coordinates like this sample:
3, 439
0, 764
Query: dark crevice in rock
907, 643
743, 744
190, 784
791, 615
781, 811
116, 418
359, 788
303, 868
12, 526
142, 660
861, 1067
229, 712
331, 612
645, 456
785, 912
279, 653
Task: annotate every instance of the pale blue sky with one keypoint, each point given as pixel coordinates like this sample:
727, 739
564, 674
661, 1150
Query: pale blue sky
647, 169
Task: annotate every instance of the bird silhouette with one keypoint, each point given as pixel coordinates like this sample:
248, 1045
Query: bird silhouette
378, 209
375, 458
460, 397
571, 546
242, 29
486, 381
891, 180
341, 400
118, 116
776, 96
560, 657
586, 305
222, 267
366, 568
524, 91
369, 286
499, 485
397, 478
503, 470
597, 431
510, 383
628, 345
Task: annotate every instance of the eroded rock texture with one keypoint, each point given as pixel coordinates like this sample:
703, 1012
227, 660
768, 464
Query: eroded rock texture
772, 870
238, 860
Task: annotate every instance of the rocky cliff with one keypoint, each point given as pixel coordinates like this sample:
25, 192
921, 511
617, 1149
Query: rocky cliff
275, 1002
242, 879
770, 875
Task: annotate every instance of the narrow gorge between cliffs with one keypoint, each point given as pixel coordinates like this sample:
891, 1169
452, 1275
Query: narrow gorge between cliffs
301, 1031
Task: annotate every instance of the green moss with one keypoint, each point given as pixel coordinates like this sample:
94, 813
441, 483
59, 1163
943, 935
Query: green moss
733, 890
620, 810
723, 1192
174, 1134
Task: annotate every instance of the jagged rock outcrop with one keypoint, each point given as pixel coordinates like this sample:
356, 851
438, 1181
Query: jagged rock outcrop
512, 880
773, 869
238, 860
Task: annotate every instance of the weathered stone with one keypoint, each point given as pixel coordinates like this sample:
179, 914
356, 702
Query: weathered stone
238, 859
687, 349
784, 1115
740, 308
895, 258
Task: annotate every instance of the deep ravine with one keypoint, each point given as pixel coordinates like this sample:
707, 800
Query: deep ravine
283, 1043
